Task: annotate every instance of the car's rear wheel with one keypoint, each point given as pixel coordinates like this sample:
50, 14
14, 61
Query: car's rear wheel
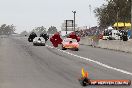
43, 44
30, 40
34, 44
76, 49
63, 48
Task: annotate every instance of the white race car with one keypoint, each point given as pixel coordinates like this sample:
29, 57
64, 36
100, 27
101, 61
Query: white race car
39, 41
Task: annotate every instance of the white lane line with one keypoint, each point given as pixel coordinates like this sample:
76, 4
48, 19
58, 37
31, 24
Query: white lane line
94, 61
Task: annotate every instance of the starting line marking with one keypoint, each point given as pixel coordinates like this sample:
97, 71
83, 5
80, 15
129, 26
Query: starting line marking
94, 61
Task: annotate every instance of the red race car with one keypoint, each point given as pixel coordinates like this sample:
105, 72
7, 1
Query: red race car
70, 43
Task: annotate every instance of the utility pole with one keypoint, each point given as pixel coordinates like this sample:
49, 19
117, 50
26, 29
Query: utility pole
74, 19
117, 20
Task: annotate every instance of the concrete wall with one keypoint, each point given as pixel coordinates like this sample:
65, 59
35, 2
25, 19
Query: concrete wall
119, 45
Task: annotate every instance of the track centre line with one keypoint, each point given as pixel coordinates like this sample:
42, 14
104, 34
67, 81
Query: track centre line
94, 61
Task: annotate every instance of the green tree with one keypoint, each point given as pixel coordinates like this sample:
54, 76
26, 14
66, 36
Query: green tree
39, 30
113, 11
52, 30
7, 29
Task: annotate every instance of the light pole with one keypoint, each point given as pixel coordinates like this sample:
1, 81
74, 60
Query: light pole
90, 15
74, 19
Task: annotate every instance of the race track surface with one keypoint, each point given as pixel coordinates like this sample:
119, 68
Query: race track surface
23, 65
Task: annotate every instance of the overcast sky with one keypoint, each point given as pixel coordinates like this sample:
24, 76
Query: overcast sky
27, 14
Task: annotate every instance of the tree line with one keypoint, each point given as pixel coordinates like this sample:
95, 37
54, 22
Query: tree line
40, 30
10, 29
7, 29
